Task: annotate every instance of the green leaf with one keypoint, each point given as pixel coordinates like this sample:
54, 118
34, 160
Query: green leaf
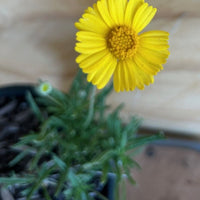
62, 165
134, 163
144, 140
106, 156
43, 173
19, 157
16, 180
132, 126
36, 158
72, 178
123, 140
34, 106
61, 181
83, 196
26, 140
46, 193
105, 173
130, 179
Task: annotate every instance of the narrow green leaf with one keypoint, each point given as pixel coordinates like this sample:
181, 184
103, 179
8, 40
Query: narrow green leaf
26, 140
130, 178
34, 106
83, 196
15, 180
144, 140
61, 181
46, 193
132, 126
123, 140
62, 165
19, 157
42, 175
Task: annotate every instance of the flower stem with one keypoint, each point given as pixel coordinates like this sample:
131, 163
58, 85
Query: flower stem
91, 107
54, 100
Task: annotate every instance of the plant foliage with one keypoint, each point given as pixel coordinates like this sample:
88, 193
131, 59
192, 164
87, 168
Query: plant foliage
69, 149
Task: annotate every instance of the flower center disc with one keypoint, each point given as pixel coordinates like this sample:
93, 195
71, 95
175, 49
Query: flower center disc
122, 42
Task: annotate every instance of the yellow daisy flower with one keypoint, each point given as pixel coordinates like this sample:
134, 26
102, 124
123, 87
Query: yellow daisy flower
109, 44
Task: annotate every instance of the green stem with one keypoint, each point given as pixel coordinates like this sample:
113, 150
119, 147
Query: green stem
54, 100
91, 107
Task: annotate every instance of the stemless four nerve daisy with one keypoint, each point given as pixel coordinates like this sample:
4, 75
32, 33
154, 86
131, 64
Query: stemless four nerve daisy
109, 44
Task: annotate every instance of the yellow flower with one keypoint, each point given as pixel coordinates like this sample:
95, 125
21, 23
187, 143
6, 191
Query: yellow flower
109, 44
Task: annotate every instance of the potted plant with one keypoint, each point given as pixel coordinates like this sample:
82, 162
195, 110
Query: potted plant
79, 145
65, 154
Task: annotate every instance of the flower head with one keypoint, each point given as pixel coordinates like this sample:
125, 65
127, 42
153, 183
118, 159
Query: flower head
110, 44
44, 88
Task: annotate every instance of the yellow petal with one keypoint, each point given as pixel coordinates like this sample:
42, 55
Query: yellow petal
155, 33
130, 11
129, 64
88, 64
94, 11
113, 11
122, 76
82, 57
157, 57
154, 44
103, 71
120, 6
98, 64
86, 36
104, 12
90, 47
90, 11
142, 78
127, 76
146, 66
117, 81
117, 10
155, 40
92, 23
143, 16
138, 79
106, 73
92, 44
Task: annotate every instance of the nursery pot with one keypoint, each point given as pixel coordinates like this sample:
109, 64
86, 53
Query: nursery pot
16, 120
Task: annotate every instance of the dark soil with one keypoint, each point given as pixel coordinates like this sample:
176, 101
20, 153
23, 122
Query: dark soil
16, 120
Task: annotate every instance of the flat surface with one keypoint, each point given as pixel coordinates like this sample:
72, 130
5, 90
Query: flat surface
168, 173
37, 40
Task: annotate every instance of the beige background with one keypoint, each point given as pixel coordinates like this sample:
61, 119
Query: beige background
37, 40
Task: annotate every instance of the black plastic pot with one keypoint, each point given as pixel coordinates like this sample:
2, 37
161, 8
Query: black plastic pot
180, 143
16, 90
13, 100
